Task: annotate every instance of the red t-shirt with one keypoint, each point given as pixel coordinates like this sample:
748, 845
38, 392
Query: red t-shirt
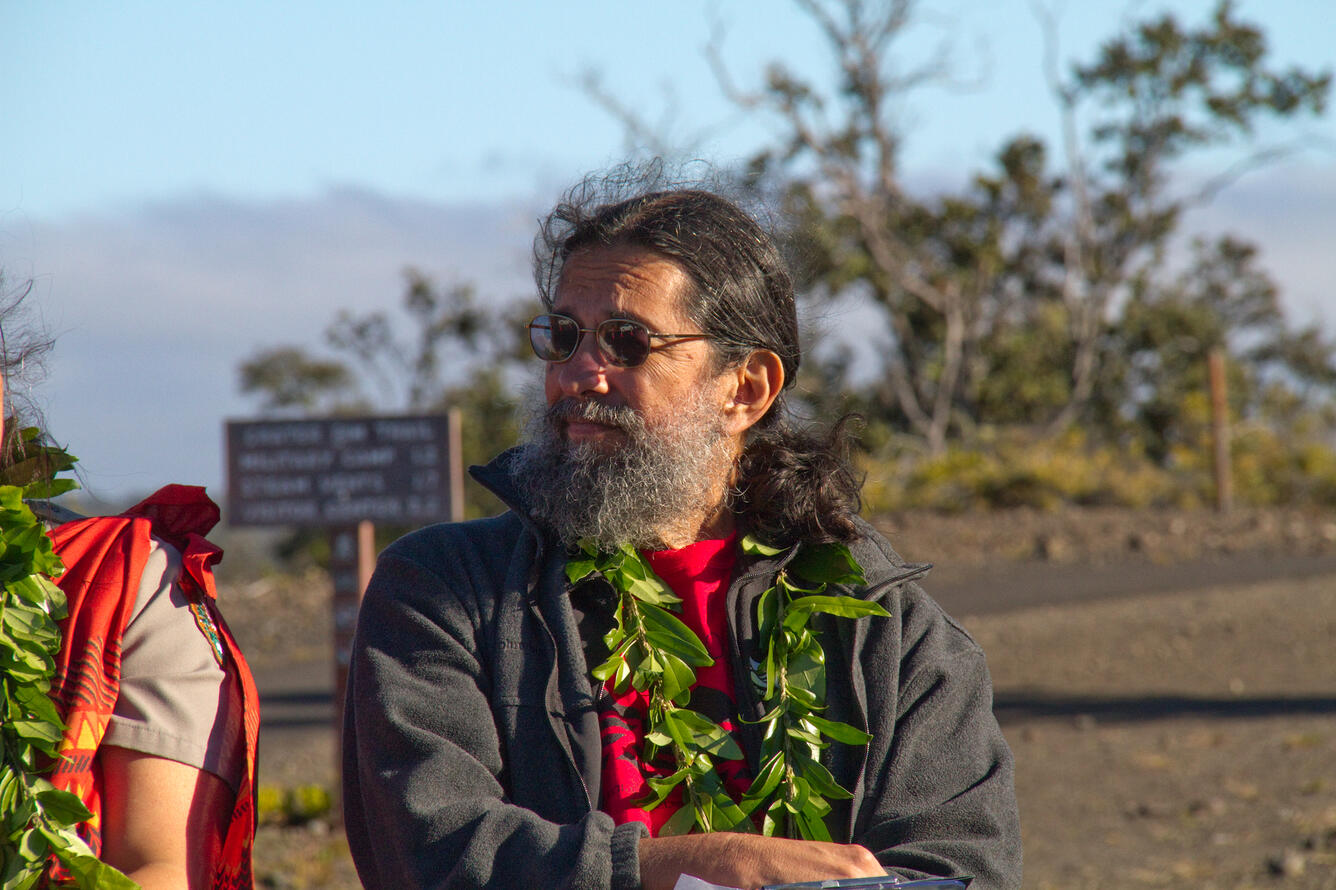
699, 574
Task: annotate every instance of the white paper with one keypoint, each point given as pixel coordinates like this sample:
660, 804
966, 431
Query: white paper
691, 882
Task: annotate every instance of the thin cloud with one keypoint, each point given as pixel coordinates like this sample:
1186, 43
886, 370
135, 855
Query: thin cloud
1287, 212
154, 310
155, 307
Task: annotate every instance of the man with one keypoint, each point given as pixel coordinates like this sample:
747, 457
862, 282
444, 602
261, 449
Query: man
481, 752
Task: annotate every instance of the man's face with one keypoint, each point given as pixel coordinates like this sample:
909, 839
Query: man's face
637, 455
629, 283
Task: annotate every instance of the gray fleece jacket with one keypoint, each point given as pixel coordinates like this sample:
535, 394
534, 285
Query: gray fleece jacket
471, 742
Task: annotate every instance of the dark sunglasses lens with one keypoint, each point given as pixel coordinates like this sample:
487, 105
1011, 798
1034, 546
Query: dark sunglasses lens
553, 337
625, 342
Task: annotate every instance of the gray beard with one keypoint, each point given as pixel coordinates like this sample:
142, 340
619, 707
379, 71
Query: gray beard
634, 494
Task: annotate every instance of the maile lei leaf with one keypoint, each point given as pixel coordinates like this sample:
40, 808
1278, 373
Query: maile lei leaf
793, 789
653, 652
37, 820
35, 464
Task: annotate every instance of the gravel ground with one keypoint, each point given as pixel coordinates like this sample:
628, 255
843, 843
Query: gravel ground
1175, 740
1107, 536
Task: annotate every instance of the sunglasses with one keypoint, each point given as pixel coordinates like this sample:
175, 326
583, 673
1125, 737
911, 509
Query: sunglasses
623, 342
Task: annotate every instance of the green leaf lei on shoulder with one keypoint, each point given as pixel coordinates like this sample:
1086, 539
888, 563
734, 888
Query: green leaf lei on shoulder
652, 651
37, 820
36, 465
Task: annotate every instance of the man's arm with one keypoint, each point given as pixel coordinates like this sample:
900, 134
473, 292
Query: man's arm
426, 769
749, 861
163, 822
937, 790
939, 795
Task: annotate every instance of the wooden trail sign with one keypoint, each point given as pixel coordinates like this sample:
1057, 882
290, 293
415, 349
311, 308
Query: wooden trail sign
341, 471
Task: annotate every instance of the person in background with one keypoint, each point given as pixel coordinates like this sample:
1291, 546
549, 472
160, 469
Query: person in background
160, 708
517, 710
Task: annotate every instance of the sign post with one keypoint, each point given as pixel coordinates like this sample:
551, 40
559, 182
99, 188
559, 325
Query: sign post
345, 475
352, 556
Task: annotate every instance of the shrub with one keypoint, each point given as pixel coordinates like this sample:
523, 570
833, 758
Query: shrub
1010, 468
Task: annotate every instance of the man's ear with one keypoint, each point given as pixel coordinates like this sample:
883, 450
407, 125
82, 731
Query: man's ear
756, 383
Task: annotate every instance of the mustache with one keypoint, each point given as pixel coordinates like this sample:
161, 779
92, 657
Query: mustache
568, 409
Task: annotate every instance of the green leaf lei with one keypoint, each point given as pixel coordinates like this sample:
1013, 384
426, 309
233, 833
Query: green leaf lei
36, 467
652, 651
37, 820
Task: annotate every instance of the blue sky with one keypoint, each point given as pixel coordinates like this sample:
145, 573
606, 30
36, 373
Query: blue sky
187, 182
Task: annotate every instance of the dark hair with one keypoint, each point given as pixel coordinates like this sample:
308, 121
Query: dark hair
792, 485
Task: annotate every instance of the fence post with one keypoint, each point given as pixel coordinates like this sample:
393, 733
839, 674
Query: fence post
1224, 472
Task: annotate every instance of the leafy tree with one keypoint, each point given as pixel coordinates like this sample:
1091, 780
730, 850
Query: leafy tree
1004, 301
1156, 94
1156, 356
286, 378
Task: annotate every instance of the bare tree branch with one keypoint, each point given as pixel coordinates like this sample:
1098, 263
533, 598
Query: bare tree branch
1240, 168
638, 133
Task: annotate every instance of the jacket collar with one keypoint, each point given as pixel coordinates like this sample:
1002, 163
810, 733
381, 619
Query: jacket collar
495, 476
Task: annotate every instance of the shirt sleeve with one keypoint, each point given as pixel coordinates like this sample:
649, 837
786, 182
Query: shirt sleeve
175, 698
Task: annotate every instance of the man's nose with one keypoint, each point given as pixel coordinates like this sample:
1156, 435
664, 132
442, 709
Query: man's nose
585, 371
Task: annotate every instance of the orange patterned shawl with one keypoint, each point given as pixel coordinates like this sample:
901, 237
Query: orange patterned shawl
104, 558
